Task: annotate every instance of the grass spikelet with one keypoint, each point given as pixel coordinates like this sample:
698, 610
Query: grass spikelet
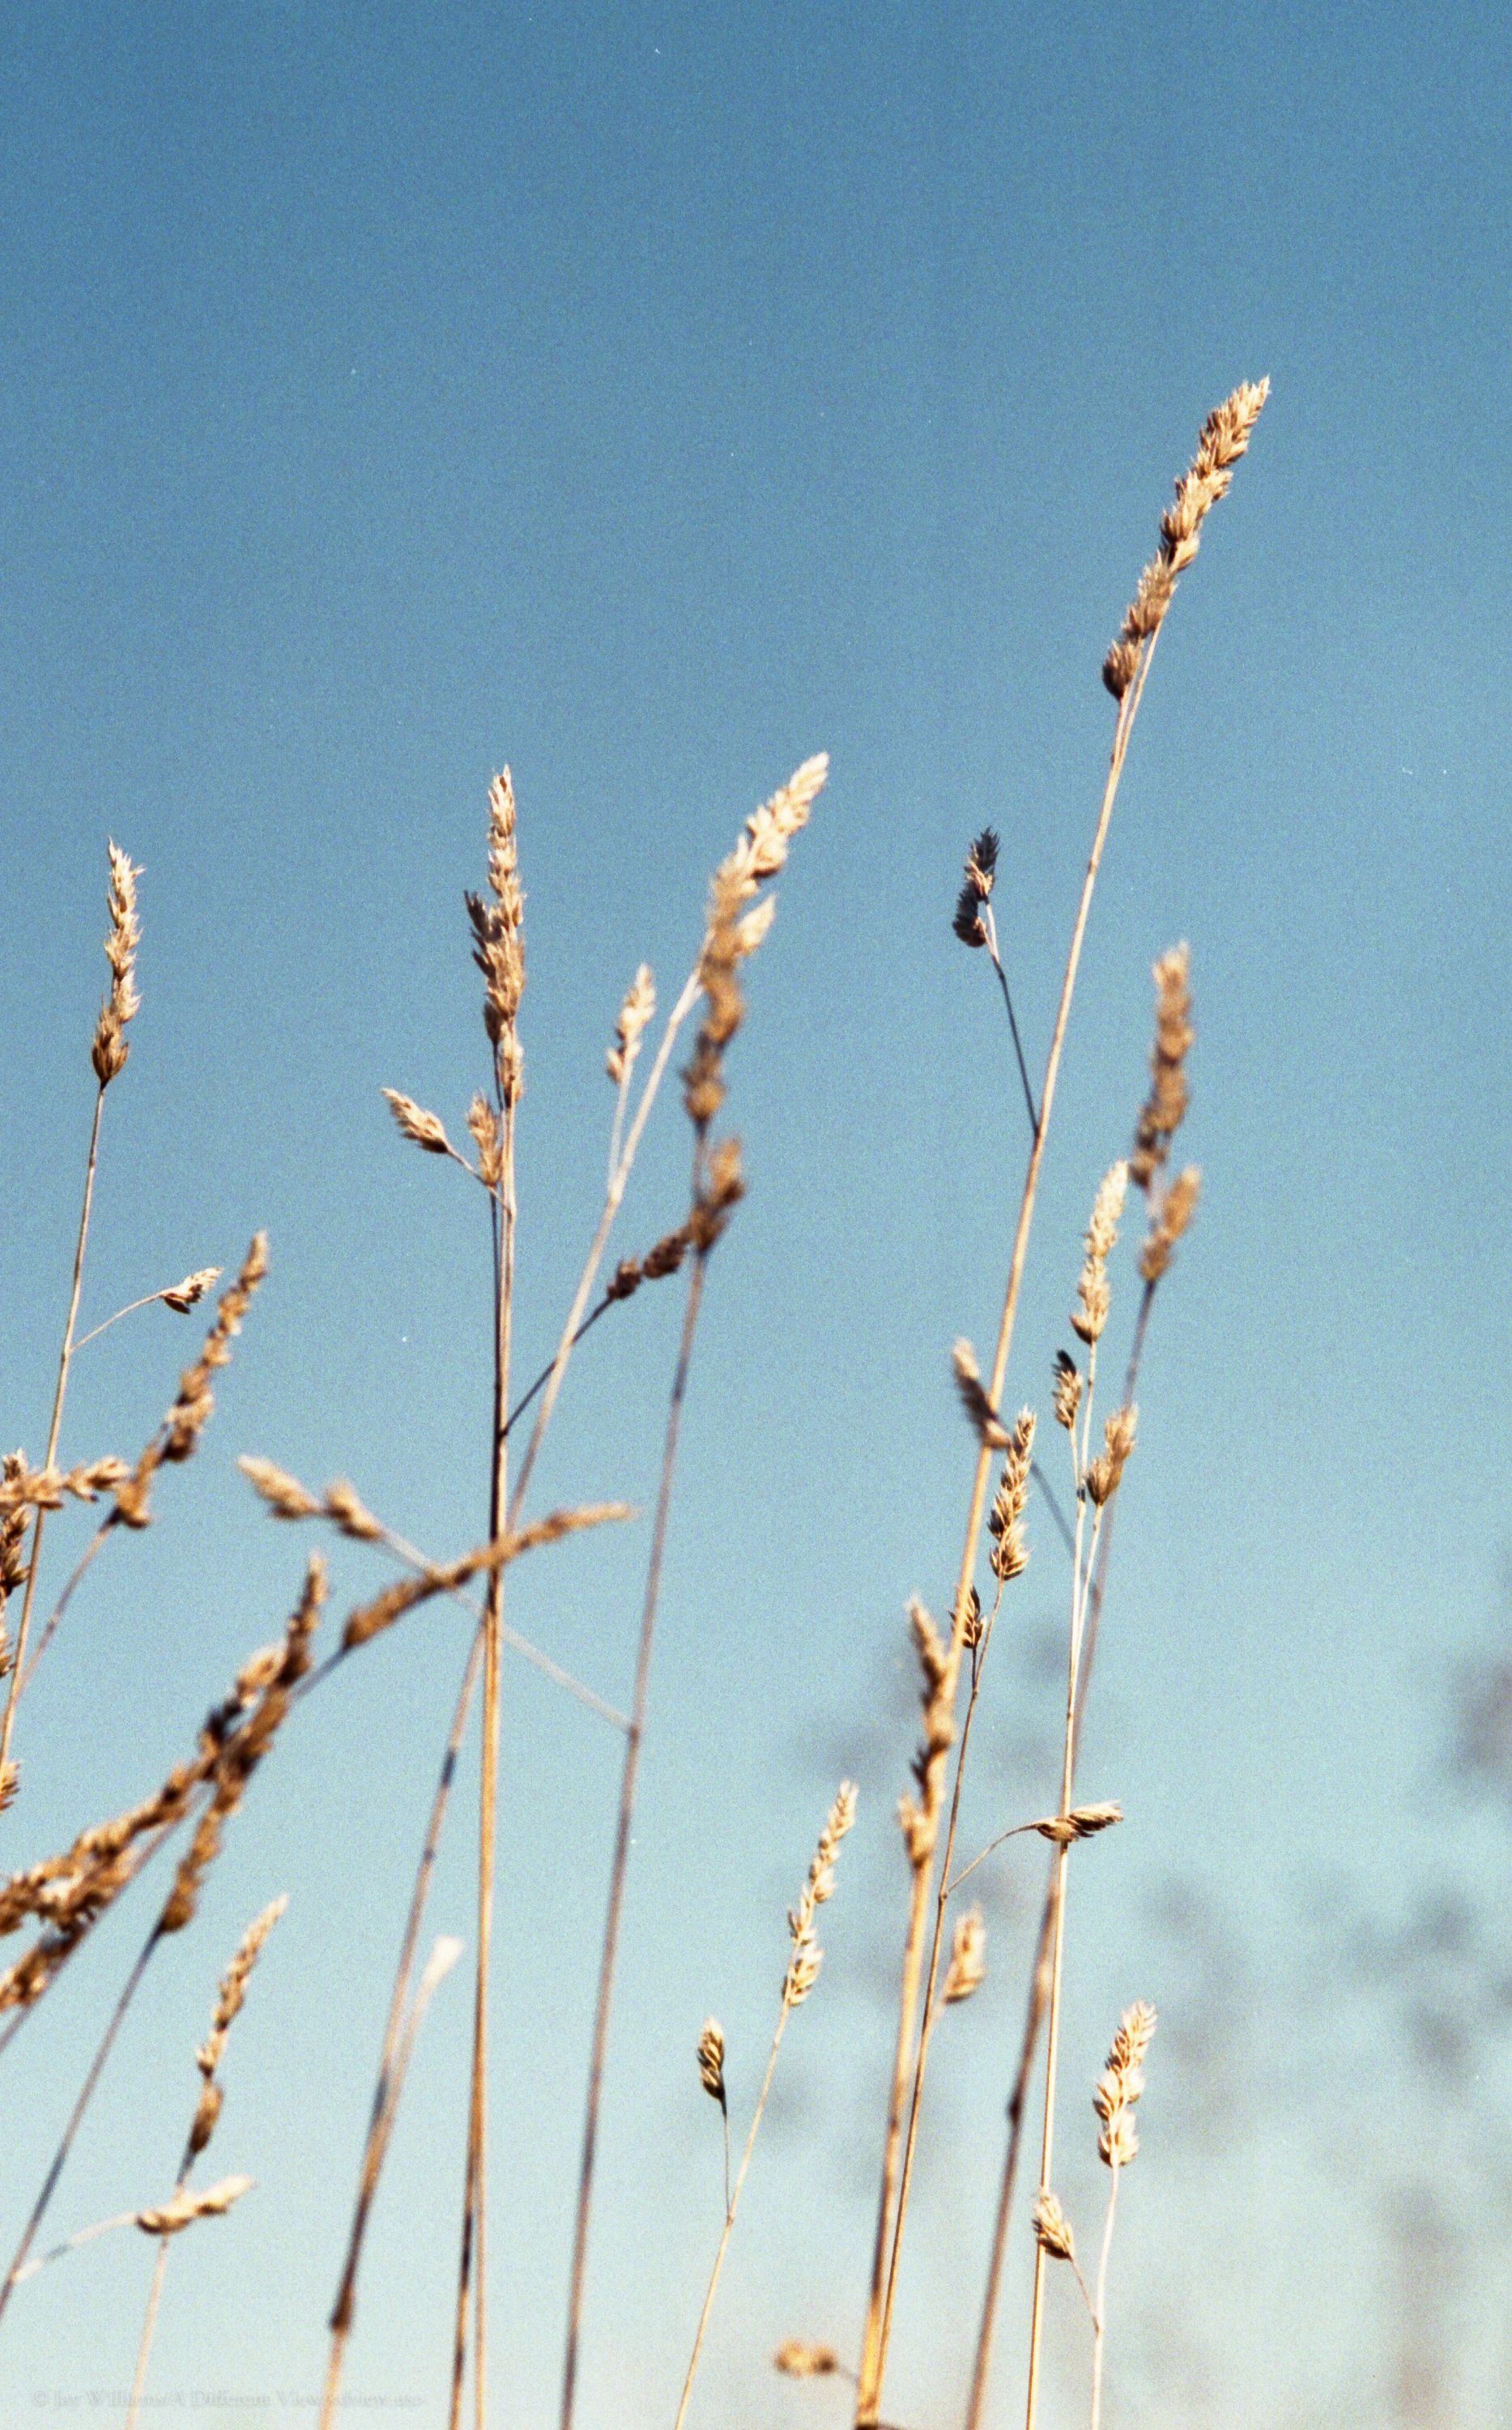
427, 1130
976, 888
1224, 438
1164, 1108
1088, 1319
498, 941
193, 2203
1009, 1556
711, 2059
1082, 1822
634, 1016
1169, 1224
990, 1431
124, 935
1052, 2229
796, 2360
178, 1438
967, 1970
1106, 1473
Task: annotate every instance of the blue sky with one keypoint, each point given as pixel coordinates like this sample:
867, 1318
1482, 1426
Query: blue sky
651, 397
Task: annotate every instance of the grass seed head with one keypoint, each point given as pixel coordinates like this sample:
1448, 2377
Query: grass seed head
967, 1969
110, 1048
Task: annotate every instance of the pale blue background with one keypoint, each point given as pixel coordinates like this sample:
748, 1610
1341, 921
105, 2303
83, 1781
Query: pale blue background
651, 396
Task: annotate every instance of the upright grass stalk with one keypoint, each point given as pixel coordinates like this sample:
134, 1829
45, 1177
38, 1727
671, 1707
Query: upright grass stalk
498, 930
733, 933
1223, 440
873, 2351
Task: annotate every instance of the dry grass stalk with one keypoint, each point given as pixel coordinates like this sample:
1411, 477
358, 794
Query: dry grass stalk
1223, 440
108, 1057
201, 2126
805, 1960
732, 933
443, 1957
499, 951
1118, 2090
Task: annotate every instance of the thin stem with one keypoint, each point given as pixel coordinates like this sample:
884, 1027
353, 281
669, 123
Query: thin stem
380, 2116
1100, 2308
148, 1299
1052, 1502
104, 1529
149, 2328
621, 1844
546, 1373
613, 1197
1018, 2099
873, 2355
1017, 1048
71, 2243
474, 2229
59, 1393
1016, 1833
730, 2209
96, 2069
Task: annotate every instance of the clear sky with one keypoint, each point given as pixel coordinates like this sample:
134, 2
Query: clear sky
650, 397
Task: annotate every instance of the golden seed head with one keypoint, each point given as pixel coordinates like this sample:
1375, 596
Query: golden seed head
1082, 1822
193, 1288
967, 1969
427, 1130
487, 1138
976, 886
191, 2203
808, 1957
732, 933
1067, 1393
1168, 1223
711, 2059
1106, 1473
1010, 1555
109, 1051
991, 1430
285, 1496
1089, 1319
806, 2362
498, 940
637, 1010
1122, 2083
1053, 2231
351, 1514
1224, 436
1162, 1112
